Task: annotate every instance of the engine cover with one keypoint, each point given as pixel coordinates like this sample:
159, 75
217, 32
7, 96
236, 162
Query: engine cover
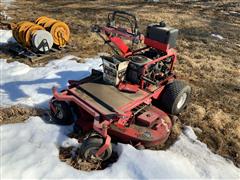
139, 60
135, 68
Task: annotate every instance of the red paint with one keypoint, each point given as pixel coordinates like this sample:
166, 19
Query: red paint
156, 44
105, 146
120, 44
127, 87
148, 118
121, 124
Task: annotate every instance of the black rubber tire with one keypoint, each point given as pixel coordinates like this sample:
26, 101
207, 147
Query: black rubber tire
172, 95
63, 116
92, 145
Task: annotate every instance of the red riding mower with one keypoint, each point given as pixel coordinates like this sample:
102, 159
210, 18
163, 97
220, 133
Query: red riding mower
136, 97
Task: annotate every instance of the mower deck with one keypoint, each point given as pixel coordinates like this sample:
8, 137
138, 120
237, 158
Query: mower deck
106, 98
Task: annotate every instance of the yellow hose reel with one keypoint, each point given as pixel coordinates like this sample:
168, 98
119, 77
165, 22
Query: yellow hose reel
32, 36
58, 29
42, 34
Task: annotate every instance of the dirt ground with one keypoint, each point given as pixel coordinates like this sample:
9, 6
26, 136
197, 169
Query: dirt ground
210, 65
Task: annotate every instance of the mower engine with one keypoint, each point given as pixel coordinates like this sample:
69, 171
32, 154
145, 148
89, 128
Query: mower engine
135, 68
154, 72
147, 65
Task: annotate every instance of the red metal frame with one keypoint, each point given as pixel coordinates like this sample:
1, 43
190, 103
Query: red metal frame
117, 127
122, 126
100, 127
116, 37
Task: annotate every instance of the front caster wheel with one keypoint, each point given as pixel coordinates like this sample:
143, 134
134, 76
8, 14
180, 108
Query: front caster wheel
89, 148
63, 113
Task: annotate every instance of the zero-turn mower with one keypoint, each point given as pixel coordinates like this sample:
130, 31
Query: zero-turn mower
134, 100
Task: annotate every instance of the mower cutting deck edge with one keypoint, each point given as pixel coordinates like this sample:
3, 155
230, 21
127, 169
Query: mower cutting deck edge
134, 99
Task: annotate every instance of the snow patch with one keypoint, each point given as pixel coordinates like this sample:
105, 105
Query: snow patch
32, 147
21, 84
6, 37
6, 3
217, 36
5, 16
199, 155
14, 68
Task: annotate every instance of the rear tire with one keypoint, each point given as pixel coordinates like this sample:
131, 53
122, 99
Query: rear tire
175, 97
63, 115
90, 146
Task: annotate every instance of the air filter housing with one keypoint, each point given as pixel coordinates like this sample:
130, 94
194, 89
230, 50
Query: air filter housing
114, 69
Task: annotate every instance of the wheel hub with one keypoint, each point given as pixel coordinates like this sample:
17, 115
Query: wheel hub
90, 154
182, 100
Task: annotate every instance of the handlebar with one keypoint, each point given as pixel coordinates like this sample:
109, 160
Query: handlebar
115, 13
111, 30
123, 14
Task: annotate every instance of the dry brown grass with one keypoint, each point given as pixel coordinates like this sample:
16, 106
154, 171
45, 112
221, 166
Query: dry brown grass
16, 114
211, 66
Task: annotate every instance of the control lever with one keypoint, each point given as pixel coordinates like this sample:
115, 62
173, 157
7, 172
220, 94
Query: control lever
149, 80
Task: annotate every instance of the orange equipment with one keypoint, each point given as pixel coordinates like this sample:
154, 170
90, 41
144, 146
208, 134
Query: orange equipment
25, 31
59, 30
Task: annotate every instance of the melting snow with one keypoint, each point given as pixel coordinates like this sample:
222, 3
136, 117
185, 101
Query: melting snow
5, 16
6, 3
21, 84
217, 36
30, 150
6, 37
